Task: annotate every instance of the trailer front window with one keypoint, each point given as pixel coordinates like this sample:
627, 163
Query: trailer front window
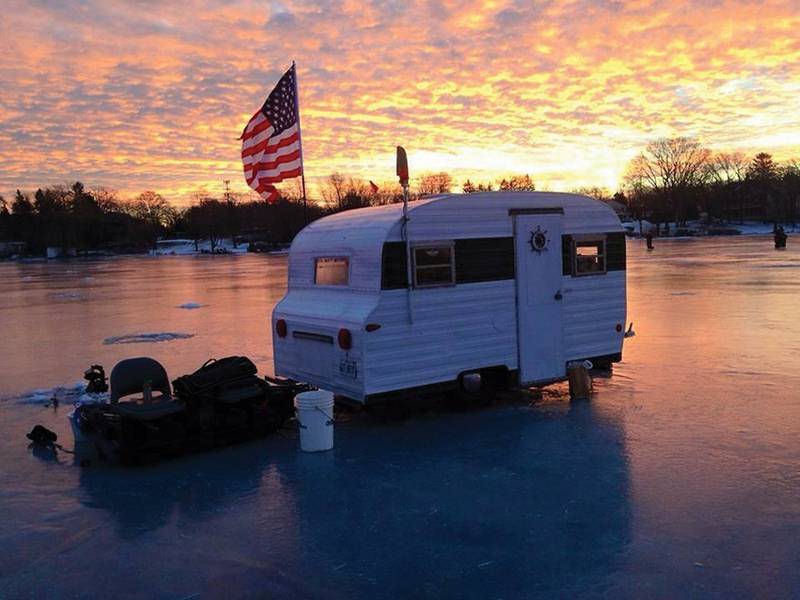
331, 270
589, 256
433, 265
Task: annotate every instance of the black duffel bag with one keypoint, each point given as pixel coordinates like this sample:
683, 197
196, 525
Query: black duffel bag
211, 380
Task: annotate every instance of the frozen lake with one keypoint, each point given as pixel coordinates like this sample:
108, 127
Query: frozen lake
680, 478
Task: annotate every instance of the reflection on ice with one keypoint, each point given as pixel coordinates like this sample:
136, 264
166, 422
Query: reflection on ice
522, 500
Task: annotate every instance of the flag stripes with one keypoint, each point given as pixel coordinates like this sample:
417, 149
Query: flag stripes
271, 150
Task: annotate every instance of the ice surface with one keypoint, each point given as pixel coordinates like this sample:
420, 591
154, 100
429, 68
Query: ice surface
678, 479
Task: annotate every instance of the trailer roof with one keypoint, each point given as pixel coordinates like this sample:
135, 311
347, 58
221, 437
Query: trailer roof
483, 212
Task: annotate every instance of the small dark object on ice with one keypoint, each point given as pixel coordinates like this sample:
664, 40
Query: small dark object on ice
96, 376
41, 436
780, 238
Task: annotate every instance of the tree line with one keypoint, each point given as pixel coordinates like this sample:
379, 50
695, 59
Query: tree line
98, 220
671, 180
678, 179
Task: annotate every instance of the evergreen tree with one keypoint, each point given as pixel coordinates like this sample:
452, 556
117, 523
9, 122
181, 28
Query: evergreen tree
22, 205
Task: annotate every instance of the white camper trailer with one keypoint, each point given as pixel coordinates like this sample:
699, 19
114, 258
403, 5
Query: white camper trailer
516, 282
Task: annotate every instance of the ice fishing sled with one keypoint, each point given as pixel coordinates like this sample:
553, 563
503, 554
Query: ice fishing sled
146, 418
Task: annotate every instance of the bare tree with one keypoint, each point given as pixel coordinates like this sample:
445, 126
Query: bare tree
725, 172
343, 193
435, 183
517, 183
596, 192
205, 220
726, 167
106, 199
388, 192
470, 188
333, 190
669, 167
153, 208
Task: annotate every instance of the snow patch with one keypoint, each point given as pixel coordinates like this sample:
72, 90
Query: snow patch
68, 296
184, 247
146, 338
76, 394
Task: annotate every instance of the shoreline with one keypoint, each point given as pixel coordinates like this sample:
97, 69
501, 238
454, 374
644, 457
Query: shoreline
747, 230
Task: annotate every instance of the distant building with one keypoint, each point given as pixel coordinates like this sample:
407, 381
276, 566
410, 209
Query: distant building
9, 249
59, 252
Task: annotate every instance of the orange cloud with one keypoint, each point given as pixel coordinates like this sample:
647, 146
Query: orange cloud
141, 95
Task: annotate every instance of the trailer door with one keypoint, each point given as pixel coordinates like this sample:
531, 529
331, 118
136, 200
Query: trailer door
537, 234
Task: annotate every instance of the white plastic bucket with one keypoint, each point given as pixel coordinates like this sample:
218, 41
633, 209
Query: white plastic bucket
315, 418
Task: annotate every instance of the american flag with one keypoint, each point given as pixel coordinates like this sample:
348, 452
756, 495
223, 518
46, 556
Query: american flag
271, 150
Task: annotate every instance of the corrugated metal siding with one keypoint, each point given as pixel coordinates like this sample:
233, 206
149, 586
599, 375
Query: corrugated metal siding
316, 362
486, 215
593, 305
322, 311
455, 329
358, 234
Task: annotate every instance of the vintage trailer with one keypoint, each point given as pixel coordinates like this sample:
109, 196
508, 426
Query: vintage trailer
520, 283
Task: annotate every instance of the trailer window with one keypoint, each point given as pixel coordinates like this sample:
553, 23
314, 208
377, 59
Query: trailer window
433, 265
331, 270
589, 256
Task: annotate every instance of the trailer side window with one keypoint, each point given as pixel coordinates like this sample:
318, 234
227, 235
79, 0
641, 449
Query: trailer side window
331, 270
433, 265
589, 255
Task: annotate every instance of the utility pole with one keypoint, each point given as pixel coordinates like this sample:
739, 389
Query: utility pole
231, 210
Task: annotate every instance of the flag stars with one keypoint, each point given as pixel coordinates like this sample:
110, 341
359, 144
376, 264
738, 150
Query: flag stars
280, 107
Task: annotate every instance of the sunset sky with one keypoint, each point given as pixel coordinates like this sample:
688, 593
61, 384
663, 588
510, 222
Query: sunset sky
152, 95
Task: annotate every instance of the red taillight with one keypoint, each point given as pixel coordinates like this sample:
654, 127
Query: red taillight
619, 327
280, 328
345, 339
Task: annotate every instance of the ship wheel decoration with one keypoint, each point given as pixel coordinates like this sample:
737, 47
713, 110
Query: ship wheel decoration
538, 240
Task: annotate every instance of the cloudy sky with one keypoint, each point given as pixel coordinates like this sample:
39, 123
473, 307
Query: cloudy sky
152, 95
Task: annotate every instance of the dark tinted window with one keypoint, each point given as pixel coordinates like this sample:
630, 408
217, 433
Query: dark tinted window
476, 259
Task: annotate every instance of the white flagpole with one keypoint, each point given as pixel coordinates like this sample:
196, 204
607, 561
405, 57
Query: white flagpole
402, 173
300, 142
